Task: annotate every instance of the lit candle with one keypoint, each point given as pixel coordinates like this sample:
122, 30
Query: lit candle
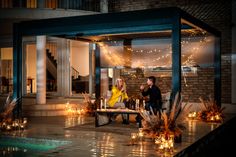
22, 126
212, 118
190, 115
137, 104
3, 124
25, 120
101, 104
217, 117
82, 111
140, 133
157, 140
8, 127
133, 137
161, 147
105, 103
194, 114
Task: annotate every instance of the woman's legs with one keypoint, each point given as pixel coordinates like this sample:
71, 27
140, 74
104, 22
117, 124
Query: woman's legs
124, 116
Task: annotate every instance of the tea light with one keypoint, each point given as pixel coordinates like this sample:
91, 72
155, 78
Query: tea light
140, 134
212, 118
217, 117
157, 140
25, 120
3, 124
8, 127
161, 147
192, 115
22, 126
133, 137
16, 124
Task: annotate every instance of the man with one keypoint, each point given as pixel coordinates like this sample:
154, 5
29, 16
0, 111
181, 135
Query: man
154, 93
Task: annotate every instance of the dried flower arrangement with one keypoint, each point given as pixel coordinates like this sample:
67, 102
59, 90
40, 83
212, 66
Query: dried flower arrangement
166, 123
210, 111
7, 123
91, 105
7, 112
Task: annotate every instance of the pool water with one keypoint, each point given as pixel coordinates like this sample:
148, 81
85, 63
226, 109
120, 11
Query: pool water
21, 146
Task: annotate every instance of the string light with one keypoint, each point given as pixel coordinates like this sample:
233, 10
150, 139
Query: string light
113, 52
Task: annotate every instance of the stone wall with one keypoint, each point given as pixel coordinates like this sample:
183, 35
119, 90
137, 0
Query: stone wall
216, 13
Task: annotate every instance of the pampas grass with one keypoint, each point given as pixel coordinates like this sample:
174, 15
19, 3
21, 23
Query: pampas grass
166, 122
209, 110
7, 112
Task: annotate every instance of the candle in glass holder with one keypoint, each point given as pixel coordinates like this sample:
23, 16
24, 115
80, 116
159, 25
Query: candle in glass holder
22, 126
171, 143
140, 133
105, 104
8, 127
4, 125
133, 137
192, 115
212, 118
137, 104
161, 148
217, 117
16, 124
25, 120
101, 104
157, 140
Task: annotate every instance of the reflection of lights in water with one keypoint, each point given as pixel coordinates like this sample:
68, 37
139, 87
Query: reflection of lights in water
105, 147
192, 127
212, 127
8, 151
72, 121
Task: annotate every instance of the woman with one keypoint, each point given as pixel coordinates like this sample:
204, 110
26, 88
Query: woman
119, 97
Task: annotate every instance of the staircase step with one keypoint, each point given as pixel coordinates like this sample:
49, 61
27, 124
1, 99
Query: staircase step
35, 113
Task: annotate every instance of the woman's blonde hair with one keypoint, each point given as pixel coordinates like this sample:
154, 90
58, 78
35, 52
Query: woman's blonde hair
117, 83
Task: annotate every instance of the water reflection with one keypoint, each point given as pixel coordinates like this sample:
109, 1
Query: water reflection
214, 126
8, 151
74, 120
192, 127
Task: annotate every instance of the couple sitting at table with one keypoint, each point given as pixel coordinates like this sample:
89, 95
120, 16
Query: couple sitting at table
119, 96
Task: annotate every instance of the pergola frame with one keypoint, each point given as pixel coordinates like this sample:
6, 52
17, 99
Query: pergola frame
114, 23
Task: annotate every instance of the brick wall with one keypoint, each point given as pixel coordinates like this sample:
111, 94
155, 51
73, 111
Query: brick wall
197, 85
216, 13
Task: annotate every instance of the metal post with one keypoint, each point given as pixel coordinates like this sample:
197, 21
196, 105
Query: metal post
97, 72
217, 79
176, 55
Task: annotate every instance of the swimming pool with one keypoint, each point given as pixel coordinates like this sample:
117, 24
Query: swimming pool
22, 146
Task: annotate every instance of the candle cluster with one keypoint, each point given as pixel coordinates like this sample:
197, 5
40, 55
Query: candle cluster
215, 118
192, 115
17, 124
135, 137
165, 142
73, 110
103, 103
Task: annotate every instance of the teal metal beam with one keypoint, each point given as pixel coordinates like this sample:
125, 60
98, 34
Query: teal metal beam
17, 64
176, 55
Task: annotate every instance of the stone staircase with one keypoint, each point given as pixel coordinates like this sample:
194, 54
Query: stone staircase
54, 106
